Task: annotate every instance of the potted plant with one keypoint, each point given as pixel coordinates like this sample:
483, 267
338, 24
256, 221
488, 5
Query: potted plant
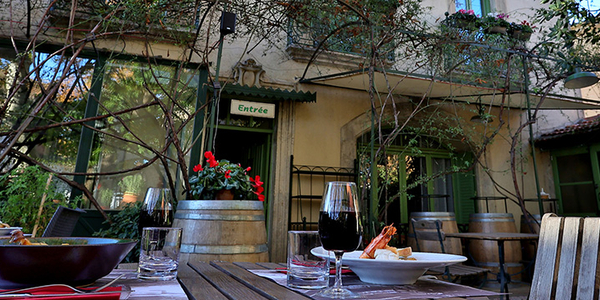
466, 19
521, 31
495, 23
219, 228
223, 180
131, 186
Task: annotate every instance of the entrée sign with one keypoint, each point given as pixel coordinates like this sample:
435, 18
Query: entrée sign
254, 109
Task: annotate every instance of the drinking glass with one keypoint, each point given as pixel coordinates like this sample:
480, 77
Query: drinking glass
157, 209
339, 229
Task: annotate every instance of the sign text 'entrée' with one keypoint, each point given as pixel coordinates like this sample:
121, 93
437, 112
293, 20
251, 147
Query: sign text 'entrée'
254, 109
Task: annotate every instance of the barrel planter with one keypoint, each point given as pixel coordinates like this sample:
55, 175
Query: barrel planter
222, 230
485, 253
451, 245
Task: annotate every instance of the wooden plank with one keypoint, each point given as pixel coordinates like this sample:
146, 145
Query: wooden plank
224, 283
271, 266
589, 256
249, 265
543, 275
568, 258
263, 286
195, 286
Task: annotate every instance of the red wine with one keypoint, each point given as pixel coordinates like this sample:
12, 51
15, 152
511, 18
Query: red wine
158, 218
340, 231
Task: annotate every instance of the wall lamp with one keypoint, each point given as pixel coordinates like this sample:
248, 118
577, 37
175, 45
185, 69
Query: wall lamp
481, 116
580, 79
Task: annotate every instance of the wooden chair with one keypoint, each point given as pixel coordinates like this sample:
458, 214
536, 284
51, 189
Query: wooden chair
431, 230
63, 222
567, 259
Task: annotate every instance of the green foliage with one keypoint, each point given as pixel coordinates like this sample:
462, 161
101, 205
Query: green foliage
494, 20
20, 199
132, 184
571, 22
125, 225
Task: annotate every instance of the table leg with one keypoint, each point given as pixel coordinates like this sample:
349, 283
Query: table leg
504, 276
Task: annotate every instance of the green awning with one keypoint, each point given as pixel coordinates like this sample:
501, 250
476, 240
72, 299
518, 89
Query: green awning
252, 93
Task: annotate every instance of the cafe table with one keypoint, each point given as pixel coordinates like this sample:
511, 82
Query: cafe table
244, 280
500, 238
140, 289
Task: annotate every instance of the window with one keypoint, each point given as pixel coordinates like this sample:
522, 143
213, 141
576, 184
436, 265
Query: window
577, 177
119, 85
480, 7
418, 176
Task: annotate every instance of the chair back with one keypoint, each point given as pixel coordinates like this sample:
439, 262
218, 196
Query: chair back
567, 258
428, 230
63, 222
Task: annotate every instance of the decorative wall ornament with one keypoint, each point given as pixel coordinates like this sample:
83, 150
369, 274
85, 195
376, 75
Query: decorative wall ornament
248, 73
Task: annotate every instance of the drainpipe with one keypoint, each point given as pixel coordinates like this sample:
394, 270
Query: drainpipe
529, 117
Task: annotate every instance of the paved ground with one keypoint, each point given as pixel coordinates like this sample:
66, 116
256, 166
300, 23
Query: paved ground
518, 290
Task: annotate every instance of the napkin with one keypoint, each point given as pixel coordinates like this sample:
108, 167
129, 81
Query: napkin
66, 293
331, 271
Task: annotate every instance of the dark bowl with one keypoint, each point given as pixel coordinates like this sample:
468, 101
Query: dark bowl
82, 261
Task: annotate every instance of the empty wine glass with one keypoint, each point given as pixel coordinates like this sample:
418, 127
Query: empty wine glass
339, 229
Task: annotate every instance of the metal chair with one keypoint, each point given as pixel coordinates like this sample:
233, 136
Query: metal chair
63, 222
431, 230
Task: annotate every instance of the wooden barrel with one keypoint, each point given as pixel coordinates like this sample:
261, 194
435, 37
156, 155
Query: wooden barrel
485, 253
222, 230
451, 245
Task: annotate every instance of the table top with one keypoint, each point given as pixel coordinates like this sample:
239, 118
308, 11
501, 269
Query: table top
243, 280
494, 236
145, 289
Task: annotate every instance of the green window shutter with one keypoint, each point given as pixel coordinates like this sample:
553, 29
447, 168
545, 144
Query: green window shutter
464, 191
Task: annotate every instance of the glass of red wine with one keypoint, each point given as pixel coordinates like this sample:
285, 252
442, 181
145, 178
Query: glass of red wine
157, 209
339, 229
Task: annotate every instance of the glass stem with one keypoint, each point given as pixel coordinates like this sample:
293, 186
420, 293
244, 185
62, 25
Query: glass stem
337, 286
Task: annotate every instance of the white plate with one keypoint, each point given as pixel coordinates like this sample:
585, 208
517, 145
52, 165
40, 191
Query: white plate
8, 230
392, 271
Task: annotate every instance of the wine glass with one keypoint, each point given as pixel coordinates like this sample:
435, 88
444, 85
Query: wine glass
157, 209
339, 229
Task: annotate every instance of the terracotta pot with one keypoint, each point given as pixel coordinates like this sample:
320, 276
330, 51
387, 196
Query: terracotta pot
520, 35
496, 29
129, 198
224, 195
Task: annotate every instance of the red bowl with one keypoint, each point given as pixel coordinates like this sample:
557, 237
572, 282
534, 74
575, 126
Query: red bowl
81, 261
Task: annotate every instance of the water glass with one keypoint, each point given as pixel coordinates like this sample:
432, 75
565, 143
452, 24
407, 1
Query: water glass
159, 254
305, 270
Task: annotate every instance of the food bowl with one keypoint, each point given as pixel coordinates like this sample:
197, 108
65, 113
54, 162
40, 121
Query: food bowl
392, 272
5, 231
74, 261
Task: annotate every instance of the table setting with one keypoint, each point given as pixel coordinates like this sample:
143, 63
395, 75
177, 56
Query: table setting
377, 272
54, 268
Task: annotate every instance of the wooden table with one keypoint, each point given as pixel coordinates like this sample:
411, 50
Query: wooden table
144, 289
500, 238
225, 280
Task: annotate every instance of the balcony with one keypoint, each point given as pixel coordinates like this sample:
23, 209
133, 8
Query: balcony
174, 20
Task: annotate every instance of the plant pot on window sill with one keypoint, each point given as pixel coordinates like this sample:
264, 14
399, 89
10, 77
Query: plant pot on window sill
520, 35
464, 24
496, 30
